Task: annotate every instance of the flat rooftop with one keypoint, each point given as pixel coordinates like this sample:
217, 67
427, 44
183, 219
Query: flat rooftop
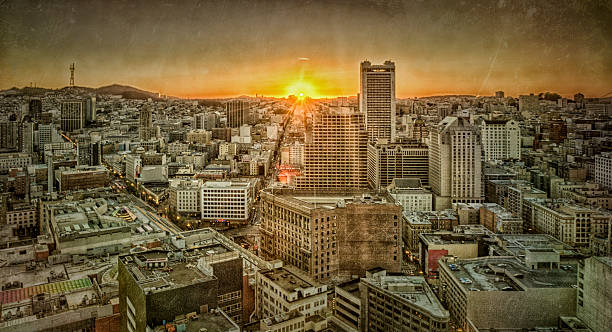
449, 238
412, 289
173, 273
517, 244
329, 199
351, 287
499, 273
212, 322
289, 280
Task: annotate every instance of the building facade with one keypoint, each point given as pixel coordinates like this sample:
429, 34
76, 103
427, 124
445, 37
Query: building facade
377, 99
225, 200
397, 160
501, 139
455, 168
336, 154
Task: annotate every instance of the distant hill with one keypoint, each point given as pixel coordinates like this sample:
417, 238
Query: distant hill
125, 91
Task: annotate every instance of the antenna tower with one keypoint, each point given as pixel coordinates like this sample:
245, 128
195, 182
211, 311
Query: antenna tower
72, 74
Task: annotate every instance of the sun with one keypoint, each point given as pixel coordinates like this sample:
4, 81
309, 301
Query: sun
301, 90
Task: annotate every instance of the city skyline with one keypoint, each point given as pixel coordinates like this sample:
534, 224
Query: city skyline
226, 49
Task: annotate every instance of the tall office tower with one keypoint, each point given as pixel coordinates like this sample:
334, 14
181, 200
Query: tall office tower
387, 161
335, 153
237, 112
9, 136
47, 133
90, 109
501, 139
146, 130
499, 94
35, 106
455, 168
26, 137
72, 115
377, 99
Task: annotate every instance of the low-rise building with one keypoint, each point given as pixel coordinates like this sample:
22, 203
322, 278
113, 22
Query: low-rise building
477, 291
400, 303
83, 177
410, 194
284, 289
499, 220
225, 201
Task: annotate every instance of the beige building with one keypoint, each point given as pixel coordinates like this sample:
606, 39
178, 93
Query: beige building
400, 303
501, 139
455, 169
284, 290
335, 153
570, 223
411, 195
331, 235
199, 136
595, 293
503, 293
377, 99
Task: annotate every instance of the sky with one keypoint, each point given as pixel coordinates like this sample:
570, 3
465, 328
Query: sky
210, 49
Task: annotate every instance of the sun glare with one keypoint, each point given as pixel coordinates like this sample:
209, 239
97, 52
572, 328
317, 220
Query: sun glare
301, 90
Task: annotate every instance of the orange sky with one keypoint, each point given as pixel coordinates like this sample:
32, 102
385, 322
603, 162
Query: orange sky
228, 48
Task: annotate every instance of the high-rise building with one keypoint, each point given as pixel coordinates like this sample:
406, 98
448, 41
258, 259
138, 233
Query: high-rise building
336, 234
377, 99
237, 112
335, 153
208, 120
499, 94
594, 293
603, 169
47, 133
501, 139
26, 137
90, 109
35, 106
9, 136
72, 115
388, 161
147, 131
455, 168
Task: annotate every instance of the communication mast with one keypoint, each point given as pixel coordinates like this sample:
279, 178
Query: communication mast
72, 74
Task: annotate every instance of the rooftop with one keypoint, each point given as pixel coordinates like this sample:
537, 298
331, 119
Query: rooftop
410, 289
289, 279
159, 270
496, 273
211, 322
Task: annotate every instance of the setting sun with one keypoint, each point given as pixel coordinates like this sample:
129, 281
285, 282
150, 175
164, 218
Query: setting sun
302, 90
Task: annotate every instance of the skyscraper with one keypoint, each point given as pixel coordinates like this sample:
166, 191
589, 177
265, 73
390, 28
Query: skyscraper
90, 109
455, 168
35, 106
377, 99
237, 112
9, 136
72, 115
335, 154
146, 131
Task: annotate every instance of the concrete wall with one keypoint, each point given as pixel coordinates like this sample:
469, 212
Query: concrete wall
520, 309
369, 236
